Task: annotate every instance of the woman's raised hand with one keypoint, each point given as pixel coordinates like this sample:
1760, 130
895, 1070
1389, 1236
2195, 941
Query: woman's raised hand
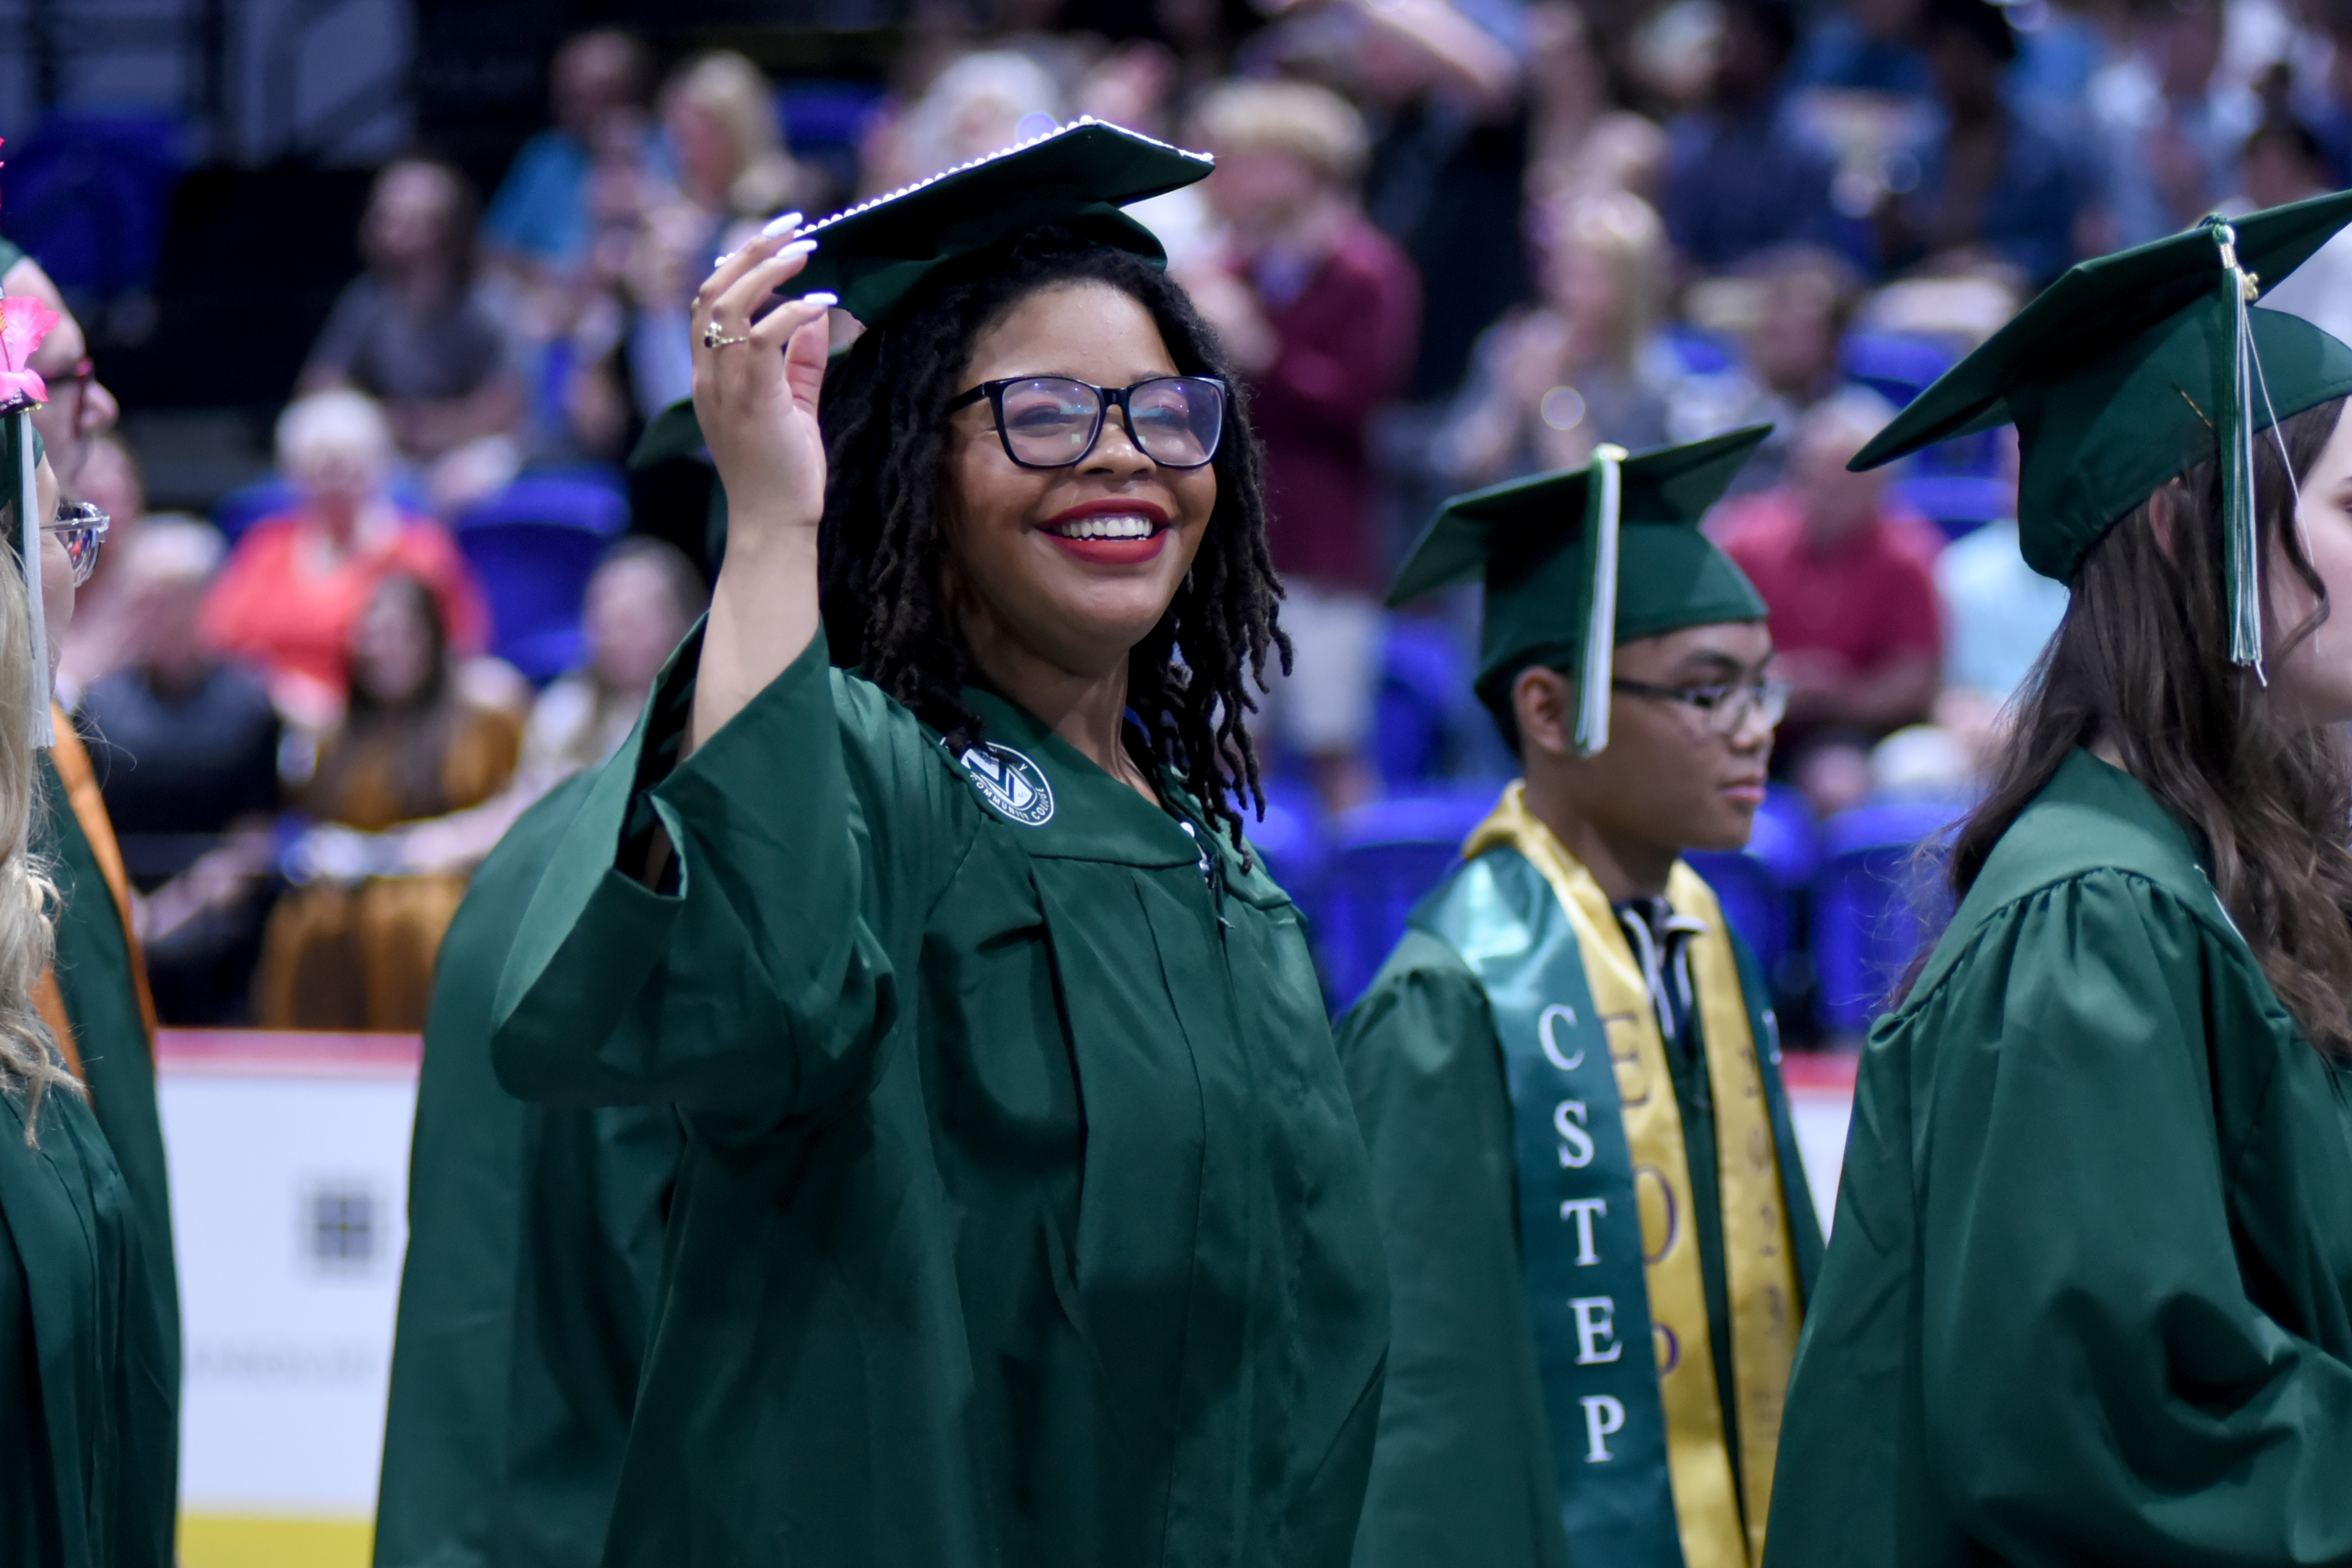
755, 388
755, 385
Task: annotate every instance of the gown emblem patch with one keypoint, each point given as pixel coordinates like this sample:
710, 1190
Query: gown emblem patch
1011, 782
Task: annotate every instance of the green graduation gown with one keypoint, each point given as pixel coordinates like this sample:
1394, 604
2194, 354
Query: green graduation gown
89, 1375
1023, 1217
99, 984
2088, 1298
1465, 1469
534, 1248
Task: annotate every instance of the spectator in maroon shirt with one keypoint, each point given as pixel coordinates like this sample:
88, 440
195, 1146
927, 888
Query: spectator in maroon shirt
1850, 577
1320, 313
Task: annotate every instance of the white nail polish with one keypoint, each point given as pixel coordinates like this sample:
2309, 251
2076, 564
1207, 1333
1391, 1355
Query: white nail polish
783, 223
797, 248
827, 300
724, 258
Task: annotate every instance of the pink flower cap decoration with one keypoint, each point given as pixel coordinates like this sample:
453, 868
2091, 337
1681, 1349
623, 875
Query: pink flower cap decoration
24, 322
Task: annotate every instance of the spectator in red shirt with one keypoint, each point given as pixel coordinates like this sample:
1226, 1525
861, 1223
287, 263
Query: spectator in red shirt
296, 583
1850, 577
1321, 313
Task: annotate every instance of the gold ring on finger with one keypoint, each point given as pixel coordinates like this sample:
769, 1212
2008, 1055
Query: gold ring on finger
712, 338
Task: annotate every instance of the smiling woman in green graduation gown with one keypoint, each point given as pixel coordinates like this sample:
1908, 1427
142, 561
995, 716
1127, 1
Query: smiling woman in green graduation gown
2088, 1297
1023, 1217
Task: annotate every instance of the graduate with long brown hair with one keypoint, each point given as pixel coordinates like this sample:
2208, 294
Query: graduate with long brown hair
2088, 1297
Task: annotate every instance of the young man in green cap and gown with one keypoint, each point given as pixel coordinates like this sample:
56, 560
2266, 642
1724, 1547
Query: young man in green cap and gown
1599, 1236
2090, 1296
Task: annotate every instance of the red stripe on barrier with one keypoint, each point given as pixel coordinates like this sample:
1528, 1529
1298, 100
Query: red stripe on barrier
277, 1053
1820, 1072
304, 1054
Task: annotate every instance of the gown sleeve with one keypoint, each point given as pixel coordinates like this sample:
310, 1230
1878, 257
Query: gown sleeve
2099, 1385
755, 982
1461, 1467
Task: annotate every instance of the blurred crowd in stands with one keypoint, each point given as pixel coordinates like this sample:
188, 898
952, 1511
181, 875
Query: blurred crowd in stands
1448, 243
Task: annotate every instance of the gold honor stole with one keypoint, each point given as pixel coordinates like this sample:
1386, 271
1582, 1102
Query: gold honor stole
1758, 1253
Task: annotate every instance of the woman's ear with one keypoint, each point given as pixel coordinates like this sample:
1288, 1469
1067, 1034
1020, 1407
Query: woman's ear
2163, 508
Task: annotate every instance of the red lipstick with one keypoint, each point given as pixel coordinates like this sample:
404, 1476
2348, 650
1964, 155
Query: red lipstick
1129, 549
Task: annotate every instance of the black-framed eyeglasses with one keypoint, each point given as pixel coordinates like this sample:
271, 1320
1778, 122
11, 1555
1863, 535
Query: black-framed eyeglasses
1054, 421
80, 527
1726, 708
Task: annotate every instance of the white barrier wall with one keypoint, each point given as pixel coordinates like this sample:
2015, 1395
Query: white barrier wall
289, 1179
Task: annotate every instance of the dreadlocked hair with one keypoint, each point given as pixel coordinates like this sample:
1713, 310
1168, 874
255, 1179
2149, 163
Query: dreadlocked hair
885, 597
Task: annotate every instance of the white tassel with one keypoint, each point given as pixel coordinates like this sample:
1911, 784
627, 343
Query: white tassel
30, 545
1604, 501
2241, 521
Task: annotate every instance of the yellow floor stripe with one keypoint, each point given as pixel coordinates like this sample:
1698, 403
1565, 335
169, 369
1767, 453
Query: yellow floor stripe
238, 1541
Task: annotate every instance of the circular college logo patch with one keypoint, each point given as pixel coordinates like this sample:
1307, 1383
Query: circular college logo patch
1011, 784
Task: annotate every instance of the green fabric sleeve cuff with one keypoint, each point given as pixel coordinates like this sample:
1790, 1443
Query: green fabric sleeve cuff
749, 984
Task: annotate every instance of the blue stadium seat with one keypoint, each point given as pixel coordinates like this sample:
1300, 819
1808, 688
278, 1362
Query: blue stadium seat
1899, 368
1695, 351
1384, 857
1290, 838
1759, 887
819, 113
1960, 504
589, 500
533, 548
88, 197
1786, 838
1422, 676
823, 121
1877, 901
1762, 910
241, 509
248, 504
1895, 365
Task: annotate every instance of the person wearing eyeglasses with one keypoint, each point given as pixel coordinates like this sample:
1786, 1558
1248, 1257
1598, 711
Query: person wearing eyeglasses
79, 408
1022, 1216
88, 1344
1599, 1236
94, 999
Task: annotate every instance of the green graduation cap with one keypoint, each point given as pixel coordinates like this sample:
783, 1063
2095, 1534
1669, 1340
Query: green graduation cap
877, 256
1577, 562
2136, 367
